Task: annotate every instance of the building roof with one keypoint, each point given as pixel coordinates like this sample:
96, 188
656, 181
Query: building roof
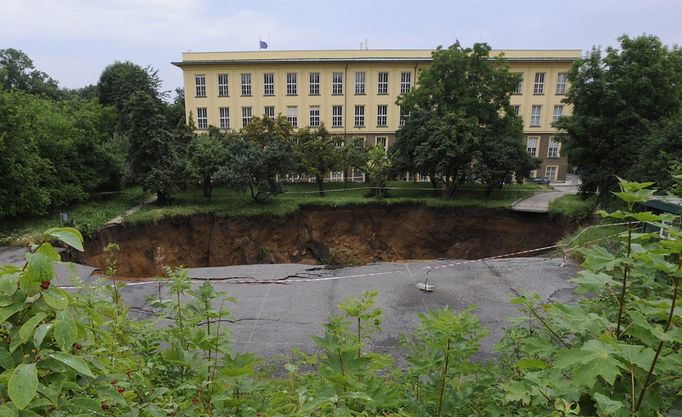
359, 55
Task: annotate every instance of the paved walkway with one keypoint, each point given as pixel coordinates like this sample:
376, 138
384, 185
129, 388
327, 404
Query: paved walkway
539, 203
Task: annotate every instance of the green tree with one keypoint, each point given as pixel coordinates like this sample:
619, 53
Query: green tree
317, 154
18, 73
353, 155
207, 156
262, 152
617, 99
120, 80
377, 169
661, 156
461, 102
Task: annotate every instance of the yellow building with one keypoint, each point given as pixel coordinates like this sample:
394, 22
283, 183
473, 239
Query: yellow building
353, 92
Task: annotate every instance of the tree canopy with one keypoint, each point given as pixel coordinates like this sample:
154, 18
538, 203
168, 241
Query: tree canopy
459, 108
622, 100
317, 154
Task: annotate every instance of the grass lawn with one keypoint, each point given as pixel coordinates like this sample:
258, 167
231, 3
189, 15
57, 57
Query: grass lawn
573, 207
227, 203
87, 217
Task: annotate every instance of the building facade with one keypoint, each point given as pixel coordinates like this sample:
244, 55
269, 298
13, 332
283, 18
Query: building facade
354, 92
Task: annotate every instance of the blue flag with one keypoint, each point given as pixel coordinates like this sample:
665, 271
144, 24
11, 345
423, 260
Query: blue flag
263, 45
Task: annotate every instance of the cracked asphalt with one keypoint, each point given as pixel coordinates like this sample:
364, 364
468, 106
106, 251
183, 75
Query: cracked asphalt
280, 306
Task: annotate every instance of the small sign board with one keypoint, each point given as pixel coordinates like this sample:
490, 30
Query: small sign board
64, 218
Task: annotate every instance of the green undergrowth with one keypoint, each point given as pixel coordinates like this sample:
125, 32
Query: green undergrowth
573, 207
232, 204
88, 217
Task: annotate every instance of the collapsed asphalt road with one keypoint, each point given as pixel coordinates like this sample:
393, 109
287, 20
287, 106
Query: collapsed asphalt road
280, 306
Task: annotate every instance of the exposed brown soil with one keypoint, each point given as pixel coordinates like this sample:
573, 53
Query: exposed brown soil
348, 235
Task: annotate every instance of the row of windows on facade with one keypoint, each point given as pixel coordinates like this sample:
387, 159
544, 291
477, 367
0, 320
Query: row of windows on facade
313, 84
337, 115
337, 84
292, 116
539, 84
533, 144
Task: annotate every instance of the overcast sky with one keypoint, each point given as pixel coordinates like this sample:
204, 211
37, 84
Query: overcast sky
73, 40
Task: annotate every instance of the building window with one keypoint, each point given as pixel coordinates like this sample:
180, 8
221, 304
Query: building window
200, 81
337, 83
532, 145
246, 116
551, 171
558, 112
403, 116
539, 86
405, 82
381, 141
516, 109
202, 118
360, 83
382, 115
519, 86
358, 140
269, 111
337, 116
314, 116
359, 116
292, 115
382, 85
291, 84
314, 83
562, 77
553, 149
535, 116
246, 85
223, 90
269, 84
224, 117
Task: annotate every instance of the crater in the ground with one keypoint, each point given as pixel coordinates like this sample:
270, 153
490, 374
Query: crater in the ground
344, 236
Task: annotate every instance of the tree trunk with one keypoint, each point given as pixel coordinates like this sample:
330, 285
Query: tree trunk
488, 191
345, 177
450, 188
434, 185
161, 198
208, 187
320, 184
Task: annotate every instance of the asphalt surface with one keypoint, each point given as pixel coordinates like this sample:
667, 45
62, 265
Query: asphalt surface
279, 307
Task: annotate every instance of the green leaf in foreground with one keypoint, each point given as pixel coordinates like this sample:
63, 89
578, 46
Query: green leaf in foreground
68, 235
23, 385
74, 362
56, 298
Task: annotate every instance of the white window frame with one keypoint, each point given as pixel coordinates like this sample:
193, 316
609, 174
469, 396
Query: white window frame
247, 115
381, 140
246, 83
517, 109
359, 115
519, 87
337, 84
292, 115
314, 116
382, 115
532, 150
314, 83
292, 87
267, 113
539, 85
554, 148
362, 139
337, 116
405, 82
556, 172
224, 117
561, 82
360, 77
382, 83
202, 118
557, 112
200, 83
269, 84
401, 119
223, 85
535, 117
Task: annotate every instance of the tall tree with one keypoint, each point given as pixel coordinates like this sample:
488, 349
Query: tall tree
617, 98
120, 80
353, 155
207, 156
461, 101
317, 154
18, 73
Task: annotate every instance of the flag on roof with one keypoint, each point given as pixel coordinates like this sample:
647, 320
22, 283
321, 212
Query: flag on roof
263, 45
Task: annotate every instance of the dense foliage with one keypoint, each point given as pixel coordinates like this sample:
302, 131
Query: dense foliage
627, 107
459, 121
614, 353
